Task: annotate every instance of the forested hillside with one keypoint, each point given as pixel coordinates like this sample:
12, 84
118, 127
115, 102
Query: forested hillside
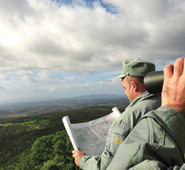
40, 142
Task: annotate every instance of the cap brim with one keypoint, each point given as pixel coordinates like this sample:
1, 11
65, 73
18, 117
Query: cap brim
120, 76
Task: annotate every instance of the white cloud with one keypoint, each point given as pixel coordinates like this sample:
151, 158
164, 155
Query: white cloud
42, 37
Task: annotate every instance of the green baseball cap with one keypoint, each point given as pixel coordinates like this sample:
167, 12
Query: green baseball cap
136, 67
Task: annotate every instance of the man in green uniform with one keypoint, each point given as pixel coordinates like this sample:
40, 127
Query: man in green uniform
158, 140
140, 103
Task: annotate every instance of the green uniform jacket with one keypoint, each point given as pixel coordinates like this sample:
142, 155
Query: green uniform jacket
120, 130
158, 137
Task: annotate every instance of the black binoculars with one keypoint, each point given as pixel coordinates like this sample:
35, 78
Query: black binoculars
153, 82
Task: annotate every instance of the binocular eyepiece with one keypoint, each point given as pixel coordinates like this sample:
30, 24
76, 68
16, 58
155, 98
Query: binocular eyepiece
153, 81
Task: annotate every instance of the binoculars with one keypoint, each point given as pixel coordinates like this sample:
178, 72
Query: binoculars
153, 82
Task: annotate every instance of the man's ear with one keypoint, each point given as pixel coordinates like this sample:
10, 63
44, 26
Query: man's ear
134, 86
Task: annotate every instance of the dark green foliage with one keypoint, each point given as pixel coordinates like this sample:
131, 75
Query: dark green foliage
49, 152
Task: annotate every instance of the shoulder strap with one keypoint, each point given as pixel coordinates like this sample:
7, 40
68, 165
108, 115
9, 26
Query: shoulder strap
165, 127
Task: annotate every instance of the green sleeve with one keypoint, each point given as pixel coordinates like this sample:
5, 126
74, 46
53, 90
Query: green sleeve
149, 165
131, 151
95, 162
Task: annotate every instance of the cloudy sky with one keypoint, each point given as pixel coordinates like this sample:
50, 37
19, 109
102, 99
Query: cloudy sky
63, 48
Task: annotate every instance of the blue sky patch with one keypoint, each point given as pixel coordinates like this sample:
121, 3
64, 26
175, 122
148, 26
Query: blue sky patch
90, 4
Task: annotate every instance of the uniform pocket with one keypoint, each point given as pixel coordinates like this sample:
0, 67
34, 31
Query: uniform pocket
118, 136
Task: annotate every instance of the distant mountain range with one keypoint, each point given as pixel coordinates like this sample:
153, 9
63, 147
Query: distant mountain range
60, 104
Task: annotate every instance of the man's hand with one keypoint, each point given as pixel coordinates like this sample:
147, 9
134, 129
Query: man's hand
173, 93
78, 155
